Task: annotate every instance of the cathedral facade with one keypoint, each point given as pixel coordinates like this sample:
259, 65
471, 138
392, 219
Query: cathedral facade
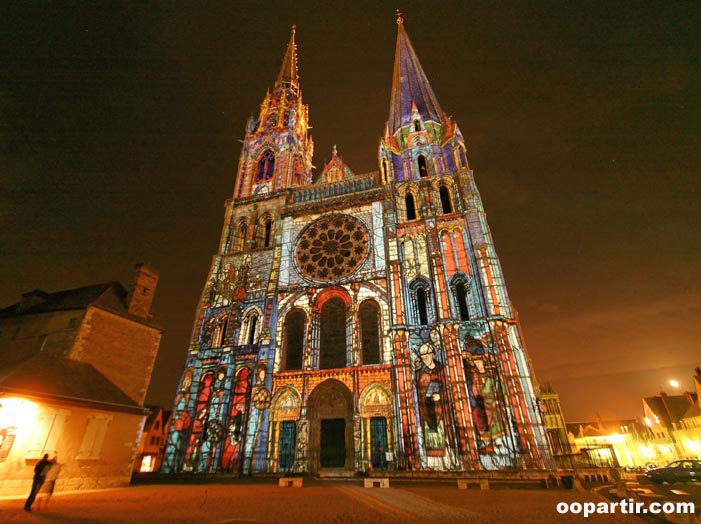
355, 322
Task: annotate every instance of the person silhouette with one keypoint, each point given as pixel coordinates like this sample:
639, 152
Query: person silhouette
40, 470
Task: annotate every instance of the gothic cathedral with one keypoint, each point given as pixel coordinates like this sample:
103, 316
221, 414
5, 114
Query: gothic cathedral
355, 322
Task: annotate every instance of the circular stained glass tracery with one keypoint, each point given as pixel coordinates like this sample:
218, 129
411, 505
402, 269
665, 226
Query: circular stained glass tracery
331, 248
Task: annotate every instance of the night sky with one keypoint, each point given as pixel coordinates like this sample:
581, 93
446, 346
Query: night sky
119, 140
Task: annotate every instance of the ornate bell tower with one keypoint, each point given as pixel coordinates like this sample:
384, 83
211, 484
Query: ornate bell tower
466, 394
277, 150
216, 424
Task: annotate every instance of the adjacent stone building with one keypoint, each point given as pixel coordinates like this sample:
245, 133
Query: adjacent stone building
152, 444
74, 369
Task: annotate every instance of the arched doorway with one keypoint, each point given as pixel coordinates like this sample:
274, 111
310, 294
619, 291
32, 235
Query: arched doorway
377, 422
330, 413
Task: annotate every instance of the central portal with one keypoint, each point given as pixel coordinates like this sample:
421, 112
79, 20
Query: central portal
330, 413
332, 453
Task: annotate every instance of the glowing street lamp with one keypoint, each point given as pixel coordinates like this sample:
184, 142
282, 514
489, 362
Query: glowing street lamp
17, 413
674, 383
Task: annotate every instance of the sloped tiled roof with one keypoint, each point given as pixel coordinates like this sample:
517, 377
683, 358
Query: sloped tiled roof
669, 409
65, 380
693, 411
38, 301
598, 428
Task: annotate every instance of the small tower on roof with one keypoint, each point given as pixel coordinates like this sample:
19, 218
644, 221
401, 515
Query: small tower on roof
336, 170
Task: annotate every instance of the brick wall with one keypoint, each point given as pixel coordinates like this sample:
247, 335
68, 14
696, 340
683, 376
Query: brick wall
122, 349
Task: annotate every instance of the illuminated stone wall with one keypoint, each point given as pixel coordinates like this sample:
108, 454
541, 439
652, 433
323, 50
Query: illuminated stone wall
355, 322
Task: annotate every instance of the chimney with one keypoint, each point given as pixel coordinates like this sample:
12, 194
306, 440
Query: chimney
145, 282
31, 299
690, 397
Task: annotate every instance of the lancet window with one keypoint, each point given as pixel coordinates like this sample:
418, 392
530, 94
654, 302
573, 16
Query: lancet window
410, 206
421, 302
219, 331
446, 201
239, 242
249, 328
332, 349
369, 315
460, 289
264, 232
266, 166
423, 166
295, 322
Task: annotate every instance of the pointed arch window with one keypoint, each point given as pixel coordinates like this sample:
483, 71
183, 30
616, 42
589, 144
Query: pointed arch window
219, 331
463, 157
417, 126
384, 171
240, 236
421, 303
266, 166
332, 347
423, 166
264, 232
410, 206
369, 315
446, 201
294, 339
421, 306
253, 323
460, 289
249, 329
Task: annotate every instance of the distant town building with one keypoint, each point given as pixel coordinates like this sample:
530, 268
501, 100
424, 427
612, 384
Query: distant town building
554, 420
153, 439
355, 322
612, 443
688, 430
74, 369
663, 415
669, 430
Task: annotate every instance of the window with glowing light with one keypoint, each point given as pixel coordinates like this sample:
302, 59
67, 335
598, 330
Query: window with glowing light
146, 464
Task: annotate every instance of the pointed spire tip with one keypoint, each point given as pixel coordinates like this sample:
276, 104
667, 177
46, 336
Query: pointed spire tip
400, 18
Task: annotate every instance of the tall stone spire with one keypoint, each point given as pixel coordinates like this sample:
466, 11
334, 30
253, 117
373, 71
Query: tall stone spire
278, 149
410, 86
288, 72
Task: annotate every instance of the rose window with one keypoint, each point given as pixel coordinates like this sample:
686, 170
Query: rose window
331, 248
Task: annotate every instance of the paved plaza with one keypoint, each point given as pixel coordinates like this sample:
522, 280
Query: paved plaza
317, 502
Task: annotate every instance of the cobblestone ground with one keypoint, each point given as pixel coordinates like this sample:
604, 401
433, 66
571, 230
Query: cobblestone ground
333, 503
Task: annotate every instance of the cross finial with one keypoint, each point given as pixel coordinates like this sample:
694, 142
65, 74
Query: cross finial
400, 18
